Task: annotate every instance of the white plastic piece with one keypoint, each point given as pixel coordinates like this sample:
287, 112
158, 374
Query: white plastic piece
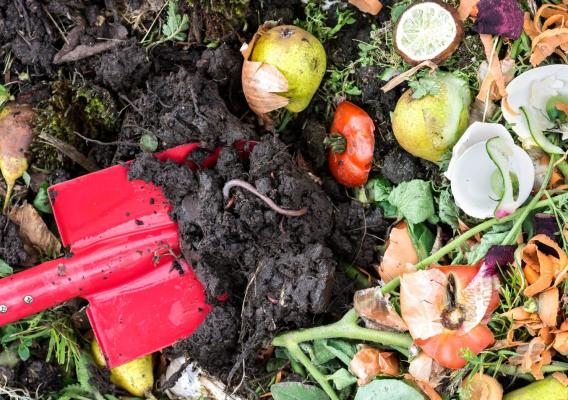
532, 89
471, 169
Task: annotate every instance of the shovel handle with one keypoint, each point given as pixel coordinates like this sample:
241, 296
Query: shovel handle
100, 267
36, 289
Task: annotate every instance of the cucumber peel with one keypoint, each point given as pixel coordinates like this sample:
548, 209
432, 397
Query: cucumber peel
539, 137
499, 152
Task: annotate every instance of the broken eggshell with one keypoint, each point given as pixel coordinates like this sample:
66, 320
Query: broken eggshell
531, 90
193, 383
471, 169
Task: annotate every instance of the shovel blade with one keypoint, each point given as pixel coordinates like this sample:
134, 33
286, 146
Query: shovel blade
149, 313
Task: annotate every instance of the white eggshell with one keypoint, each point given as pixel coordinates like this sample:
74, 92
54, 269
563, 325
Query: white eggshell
532, 89
471, 180
476, 133
188, 385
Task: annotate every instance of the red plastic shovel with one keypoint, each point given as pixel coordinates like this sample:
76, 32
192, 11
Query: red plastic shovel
123, 259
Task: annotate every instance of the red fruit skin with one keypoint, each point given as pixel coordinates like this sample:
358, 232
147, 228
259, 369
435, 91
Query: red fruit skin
351, 167
446, 347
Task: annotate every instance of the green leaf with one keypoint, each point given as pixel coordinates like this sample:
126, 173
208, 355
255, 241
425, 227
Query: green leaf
398, 9
176, 25
388, 389
413, 200
5, 269
490, 238
422, 238
426, 86
378, 189
447, 209
342, 379
26, 178
4, 96
23, 351
321, 353
296, 391
41, 201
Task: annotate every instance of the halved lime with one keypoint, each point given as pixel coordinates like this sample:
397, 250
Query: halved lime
428, 30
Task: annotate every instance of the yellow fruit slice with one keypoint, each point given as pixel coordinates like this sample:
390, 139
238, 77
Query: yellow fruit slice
136, 377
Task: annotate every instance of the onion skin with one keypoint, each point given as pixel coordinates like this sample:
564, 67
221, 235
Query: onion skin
444, 55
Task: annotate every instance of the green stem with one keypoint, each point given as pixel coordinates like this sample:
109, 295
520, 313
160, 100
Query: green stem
514, 232
512, 370
454, 244
299, 355
563, 168
345, 328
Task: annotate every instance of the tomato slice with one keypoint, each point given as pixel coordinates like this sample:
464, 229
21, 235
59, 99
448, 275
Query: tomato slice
446, 347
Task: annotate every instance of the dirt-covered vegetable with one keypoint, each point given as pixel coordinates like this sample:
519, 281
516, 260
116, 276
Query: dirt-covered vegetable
136, 377
430, 125
283, 67
351, 144
15, 138
428, 31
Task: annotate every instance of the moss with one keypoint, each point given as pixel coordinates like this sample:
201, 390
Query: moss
91, 111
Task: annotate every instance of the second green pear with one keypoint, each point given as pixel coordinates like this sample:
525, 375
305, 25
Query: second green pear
299, 56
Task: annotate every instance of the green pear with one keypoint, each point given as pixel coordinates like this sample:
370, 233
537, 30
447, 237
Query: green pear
429, 126
299, 56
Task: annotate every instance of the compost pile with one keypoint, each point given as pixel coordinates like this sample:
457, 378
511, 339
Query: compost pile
390, 174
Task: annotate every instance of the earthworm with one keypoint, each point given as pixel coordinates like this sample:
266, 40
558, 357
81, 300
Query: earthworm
245, 185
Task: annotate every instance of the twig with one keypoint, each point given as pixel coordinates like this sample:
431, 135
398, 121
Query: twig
70, 152
115, 143
397, 80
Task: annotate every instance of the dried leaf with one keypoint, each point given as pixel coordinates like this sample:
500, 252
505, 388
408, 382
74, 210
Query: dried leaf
15, 138
369, 362
560, 343
400, 251
377, 310
372, 7
548, 306
34, 230
532, 357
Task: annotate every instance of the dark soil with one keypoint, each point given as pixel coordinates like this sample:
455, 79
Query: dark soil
279, 272
11, 246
